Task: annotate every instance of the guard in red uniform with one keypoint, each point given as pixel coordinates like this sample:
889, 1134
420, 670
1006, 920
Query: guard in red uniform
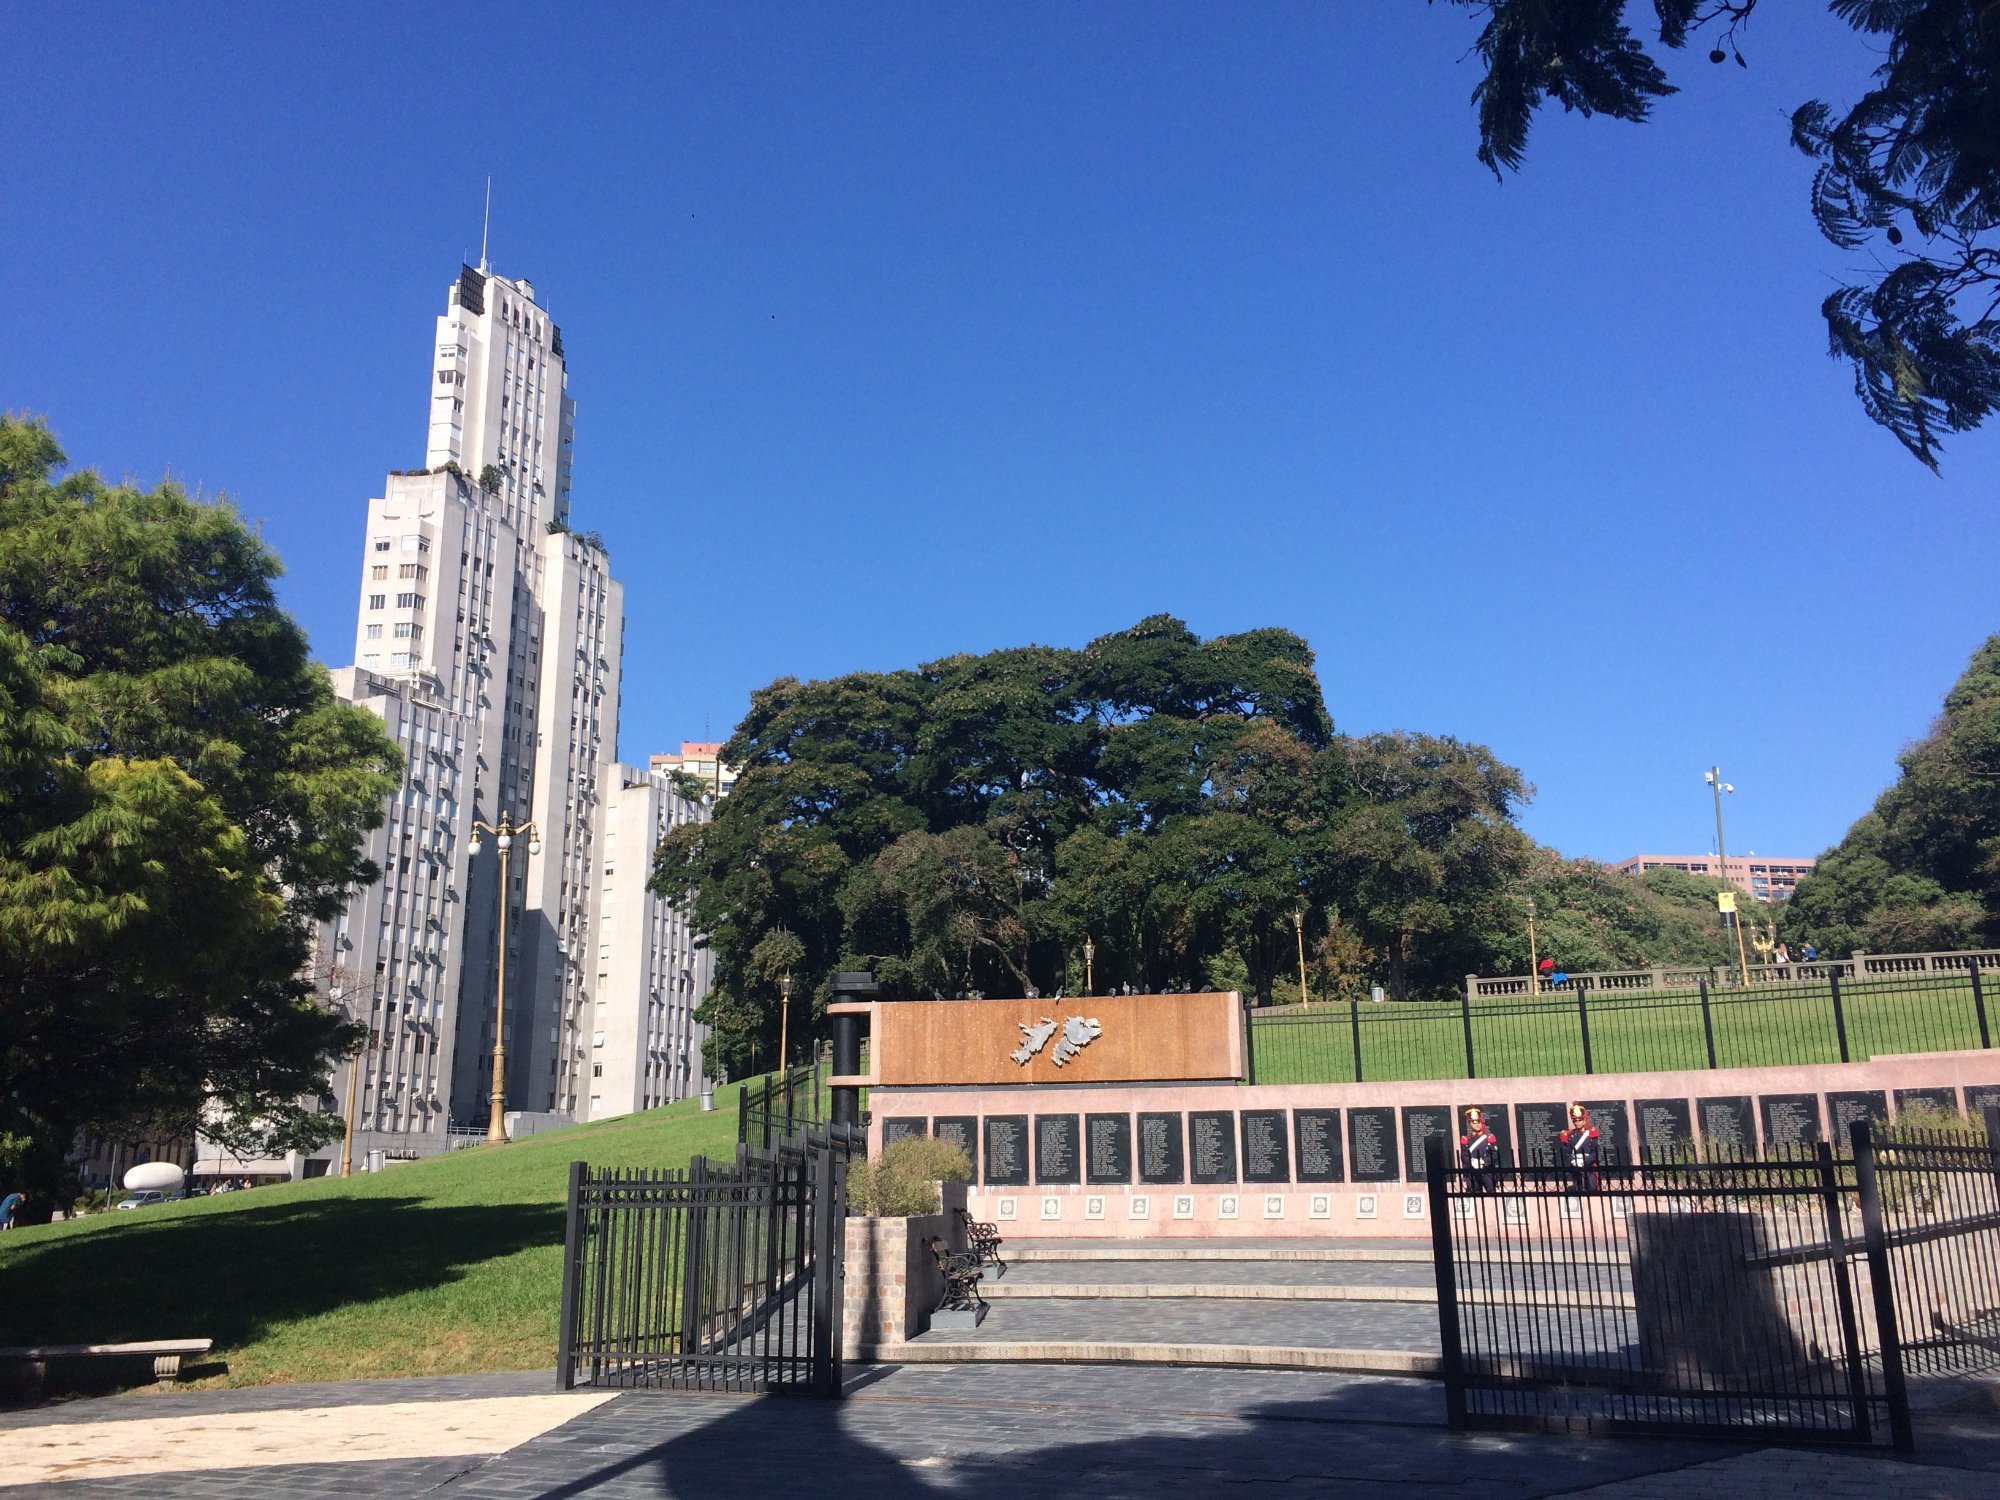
1479, 1153
1583, 1151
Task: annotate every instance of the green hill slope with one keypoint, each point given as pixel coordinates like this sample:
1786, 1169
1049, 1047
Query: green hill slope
434, 1267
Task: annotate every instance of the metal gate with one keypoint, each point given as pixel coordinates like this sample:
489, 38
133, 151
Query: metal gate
722, 1277
1777, 1299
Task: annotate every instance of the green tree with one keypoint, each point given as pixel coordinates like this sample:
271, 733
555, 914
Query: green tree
183, 798
1423, 848
1921, 869
1910, 171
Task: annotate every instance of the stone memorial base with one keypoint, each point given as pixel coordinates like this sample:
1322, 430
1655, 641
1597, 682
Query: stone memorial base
1345, 1161
959, 1320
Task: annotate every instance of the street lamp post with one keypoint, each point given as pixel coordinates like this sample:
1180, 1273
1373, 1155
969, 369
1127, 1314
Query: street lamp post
1089, 960
1299, 931
1713, 776
784, 1022
503, 839
1534, 958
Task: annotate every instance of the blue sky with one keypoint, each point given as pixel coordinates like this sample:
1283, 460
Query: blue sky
901, 330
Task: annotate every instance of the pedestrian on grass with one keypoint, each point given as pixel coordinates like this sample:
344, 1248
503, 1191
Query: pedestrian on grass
10, 1206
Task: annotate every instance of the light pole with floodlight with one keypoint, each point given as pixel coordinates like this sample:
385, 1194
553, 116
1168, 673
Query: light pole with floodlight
1713, 776
503, 839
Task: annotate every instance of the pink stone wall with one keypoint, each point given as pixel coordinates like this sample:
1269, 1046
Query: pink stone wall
1344, 1210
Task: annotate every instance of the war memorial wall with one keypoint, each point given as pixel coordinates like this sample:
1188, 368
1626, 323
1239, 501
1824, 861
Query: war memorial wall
1155, 1135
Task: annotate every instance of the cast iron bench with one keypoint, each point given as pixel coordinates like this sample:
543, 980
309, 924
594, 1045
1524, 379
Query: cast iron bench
983, 1239
33, 1360
962, 1276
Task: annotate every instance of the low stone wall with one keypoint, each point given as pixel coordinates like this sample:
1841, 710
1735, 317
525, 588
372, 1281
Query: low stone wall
890, 1280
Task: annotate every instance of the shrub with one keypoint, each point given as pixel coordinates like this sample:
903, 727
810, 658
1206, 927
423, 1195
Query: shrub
902, 1181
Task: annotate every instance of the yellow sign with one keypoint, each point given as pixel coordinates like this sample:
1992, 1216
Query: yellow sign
1725, 901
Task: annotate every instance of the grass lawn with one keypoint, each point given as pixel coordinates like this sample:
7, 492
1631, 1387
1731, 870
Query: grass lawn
443, 1266
1770, 1025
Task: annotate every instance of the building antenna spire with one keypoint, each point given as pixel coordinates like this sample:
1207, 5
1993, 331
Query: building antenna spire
485, 225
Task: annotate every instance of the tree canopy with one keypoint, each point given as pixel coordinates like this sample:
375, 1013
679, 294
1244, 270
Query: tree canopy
1921, 869
181, 796
964, 828
1909, 171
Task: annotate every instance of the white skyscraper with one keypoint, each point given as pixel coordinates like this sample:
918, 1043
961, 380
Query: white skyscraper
649, 974
489, 640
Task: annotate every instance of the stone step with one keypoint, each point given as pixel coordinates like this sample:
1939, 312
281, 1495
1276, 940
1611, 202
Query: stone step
1293, 1251
1215, 1273
1007, 1289
1237, 1356
1233, 1322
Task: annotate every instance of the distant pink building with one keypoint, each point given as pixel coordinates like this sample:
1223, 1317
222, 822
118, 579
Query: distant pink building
1760, 877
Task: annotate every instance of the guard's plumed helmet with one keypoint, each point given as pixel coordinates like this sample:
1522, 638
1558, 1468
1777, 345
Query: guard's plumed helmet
1475, 1119
1578, 1115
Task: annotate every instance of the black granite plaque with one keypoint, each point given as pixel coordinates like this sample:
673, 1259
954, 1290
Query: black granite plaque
1496, 1121
1728, 1128
1980, 1096
901, 1129
1790, 1121
1006, 1151
1056, 1157
1666, 1130
1420, 1123
1536, 1127
1316, 1134
1614, 1131
1943, 1101
1162, 1159
1212, 1146
1371, 1145
961, 1131
1266, 1151
1107, 1148
1846, 1106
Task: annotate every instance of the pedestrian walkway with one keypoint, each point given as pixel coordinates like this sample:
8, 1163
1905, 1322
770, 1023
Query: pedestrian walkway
1001, 1432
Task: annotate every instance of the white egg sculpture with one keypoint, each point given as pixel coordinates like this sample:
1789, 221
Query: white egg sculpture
158, 1176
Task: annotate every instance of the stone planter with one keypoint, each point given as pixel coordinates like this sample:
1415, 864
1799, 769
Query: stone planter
890, 1280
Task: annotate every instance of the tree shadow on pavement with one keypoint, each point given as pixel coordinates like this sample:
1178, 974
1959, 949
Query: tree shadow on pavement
1055, 1431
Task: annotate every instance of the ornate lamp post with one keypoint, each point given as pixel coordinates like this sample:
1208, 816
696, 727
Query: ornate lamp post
784, 1022
503, 838
1299, 931
1089, 959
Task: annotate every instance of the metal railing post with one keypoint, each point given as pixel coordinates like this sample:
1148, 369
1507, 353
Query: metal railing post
1451, 1351
826, 1319
1583, 1026
1354, 1028
1707, 1024
1843, 1290
1465, 1015
1979, 1001
1839, 1016
1894, 1387
1249, 1041
572, 1275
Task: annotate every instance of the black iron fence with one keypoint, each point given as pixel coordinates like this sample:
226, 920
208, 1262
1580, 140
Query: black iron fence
1576, 1029
782, 1104
1774, 1299
725, 1276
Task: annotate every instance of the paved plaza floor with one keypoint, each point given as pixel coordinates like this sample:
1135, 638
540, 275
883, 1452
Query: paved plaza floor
960, 1432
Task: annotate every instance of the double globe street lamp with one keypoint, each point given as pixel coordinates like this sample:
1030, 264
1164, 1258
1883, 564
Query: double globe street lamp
503, 839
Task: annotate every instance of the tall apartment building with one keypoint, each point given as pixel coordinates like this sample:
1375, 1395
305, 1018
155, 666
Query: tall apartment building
650, 974
489, 640
701, 759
